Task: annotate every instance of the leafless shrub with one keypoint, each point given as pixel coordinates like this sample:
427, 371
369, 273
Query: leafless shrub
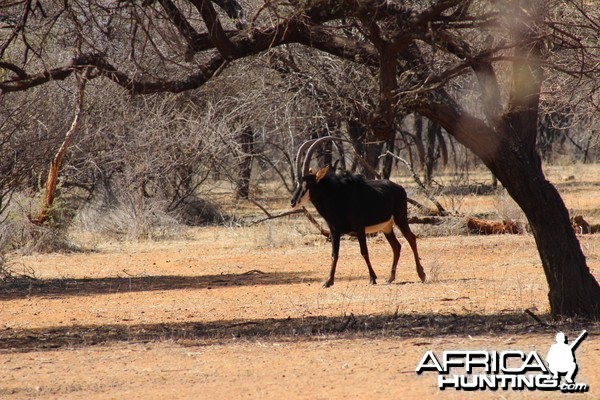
433, 270
197, 211
126, 217
166, 152
10, 277
27, 139
17, 232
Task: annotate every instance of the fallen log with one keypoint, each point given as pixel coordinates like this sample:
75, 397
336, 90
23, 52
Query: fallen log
486, 227
427, 220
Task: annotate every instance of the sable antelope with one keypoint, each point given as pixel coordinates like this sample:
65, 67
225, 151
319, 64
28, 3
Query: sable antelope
352, 204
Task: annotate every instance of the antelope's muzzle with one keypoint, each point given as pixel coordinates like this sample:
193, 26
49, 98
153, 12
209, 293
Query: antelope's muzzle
300, 196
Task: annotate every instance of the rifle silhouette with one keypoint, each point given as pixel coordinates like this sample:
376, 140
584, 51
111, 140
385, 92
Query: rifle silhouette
575, 343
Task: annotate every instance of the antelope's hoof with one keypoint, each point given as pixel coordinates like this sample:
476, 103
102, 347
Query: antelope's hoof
390, 280
327, 284
372, 282
422, 276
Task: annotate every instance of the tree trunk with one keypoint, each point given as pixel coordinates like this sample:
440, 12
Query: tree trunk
324, 153
419, 140
356, 131
507, 147
574, 292
443, 148
388, 162
246, 140
510, 155
56, 163
509, 152
372, 153
433, 128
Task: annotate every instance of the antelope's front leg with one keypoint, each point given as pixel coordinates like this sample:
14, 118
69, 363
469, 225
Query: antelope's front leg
335, 249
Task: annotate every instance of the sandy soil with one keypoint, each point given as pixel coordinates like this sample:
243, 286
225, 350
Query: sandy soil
226, 313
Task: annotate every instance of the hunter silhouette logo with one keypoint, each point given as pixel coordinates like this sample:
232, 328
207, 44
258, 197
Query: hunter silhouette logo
507, 370
561, 357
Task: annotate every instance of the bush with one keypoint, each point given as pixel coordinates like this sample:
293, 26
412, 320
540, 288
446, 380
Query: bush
18, 233
121, 216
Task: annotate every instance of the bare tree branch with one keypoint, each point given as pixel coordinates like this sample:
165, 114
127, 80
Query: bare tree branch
215, 30
416, 178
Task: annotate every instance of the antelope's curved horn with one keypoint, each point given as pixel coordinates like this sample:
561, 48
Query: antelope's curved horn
312, 148
300, 157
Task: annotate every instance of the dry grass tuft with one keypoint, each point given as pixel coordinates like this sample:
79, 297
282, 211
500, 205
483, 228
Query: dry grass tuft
433, 271
127, 218
18, 233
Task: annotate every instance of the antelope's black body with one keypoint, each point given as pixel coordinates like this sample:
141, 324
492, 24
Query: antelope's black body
350, 203
353, 204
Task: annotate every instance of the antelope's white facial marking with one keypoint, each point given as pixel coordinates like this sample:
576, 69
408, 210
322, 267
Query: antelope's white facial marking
301, 195
305, 196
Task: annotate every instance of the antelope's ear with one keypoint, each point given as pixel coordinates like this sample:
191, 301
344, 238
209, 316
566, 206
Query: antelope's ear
321, 173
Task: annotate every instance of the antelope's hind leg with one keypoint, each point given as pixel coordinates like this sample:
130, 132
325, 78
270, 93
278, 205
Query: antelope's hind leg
364, 251
396, 247
401, 220
412, 241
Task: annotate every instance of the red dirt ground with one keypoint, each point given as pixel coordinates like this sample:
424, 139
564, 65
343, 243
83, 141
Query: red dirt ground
227, 313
